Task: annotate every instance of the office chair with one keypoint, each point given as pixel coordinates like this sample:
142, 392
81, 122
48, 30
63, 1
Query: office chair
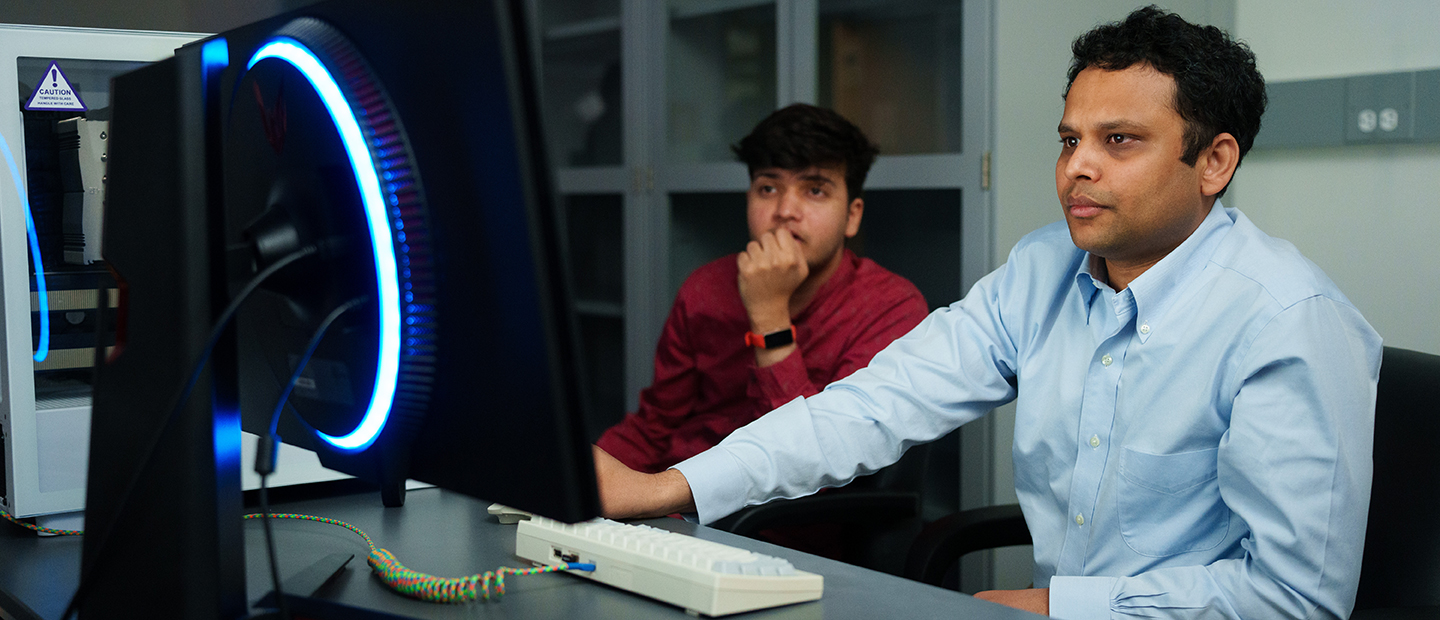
942, 543
1400, 572
878, 515
1400, 569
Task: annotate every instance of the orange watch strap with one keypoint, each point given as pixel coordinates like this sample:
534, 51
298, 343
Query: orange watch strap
770, 340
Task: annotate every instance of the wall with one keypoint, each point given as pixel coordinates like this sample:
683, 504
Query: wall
1366, 215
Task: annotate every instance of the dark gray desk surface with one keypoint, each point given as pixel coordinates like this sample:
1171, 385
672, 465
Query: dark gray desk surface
450, 535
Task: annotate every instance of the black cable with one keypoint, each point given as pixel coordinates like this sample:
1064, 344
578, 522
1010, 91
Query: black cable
304, 360
270, 549
88, 575
268, 449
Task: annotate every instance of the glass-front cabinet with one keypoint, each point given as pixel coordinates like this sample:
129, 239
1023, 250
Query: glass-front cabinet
720, 68
578, 47
895, 69
580, 55
644, 98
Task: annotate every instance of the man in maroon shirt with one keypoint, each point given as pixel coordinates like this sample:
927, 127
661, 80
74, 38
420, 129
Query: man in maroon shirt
785, 317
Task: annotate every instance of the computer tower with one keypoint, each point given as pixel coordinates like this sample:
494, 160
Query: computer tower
54, 112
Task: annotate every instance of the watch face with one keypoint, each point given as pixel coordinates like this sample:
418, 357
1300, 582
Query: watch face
770, 340
780, 338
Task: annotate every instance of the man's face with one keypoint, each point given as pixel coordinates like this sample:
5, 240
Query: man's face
812, 204
1127, 196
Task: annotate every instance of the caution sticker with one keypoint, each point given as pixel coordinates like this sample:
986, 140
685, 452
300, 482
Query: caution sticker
54, 92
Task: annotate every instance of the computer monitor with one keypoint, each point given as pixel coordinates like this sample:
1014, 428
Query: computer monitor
394, 147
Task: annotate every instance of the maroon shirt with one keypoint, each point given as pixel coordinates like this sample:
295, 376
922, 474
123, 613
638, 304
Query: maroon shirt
706, 381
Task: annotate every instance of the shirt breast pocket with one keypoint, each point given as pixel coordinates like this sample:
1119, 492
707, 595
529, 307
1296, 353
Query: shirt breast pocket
1170, 503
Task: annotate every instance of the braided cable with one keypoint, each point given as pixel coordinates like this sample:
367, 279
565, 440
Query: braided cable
417, 585
38, 529
396, 576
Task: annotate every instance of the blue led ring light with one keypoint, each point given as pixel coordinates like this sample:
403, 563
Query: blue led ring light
42, 346
395, 214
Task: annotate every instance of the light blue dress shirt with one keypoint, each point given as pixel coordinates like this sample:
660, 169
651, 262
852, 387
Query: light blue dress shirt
1196, 445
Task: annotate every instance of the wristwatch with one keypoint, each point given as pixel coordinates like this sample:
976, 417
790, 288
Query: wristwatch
771, 340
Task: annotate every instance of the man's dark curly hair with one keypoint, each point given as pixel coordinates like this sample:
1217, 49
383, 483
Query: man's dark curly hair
799, 136
1217, 87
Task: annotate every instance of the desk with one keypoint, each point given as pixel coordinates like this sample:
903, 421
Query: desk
446, 534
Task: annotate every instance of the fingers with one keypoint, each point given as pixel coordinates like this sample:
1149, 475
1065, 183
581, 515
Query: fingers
785, 243
771, 268
776, 248
788, 253
760, 250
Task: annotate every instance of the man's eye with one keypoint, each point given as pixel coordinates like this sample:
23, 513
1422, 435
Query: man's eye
1069, 142
816, 191
1116, 138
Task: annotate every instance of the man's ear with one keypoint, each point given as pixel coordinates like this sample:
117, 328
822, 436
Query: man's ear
853, 213
1217, 164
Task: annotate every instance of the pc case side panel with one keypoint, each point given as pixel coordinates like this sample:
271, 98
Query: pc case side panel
17, 398
159, 239
30, 441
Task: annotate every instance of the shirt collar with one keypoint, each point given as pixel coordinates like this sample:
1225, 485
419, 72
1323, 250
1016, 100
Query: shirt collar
1156, 290
1092, 274
1089, 280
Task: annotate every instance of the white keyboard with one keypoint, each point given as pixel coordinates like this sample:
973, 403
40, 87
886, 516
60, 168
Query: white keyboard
702, 576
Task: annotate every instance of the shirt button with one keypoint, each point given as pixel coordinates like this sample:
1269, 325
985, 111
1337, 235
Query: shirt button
1094, 441
1105, 359
1144, 329
1079, 519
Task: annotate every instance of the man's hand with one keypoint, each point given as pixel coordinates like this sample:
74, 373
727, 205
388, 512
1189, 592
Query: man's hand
771, 268
1035, 600
626, 493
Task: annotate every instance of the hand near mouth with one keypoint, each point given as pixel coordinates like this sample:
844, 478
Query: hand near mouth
771, 269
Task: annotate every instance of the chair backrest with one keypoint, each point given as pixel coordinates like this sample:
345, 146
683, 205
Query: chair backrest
907, 474
894, 492
1401, 567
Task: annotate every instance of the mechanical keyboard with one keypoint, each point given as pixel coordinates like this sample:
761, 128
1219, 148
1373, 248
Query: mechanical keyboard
702, 576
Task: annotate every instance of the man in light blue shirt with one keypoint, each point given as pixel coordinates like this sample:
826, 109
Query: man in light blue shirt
1195, 400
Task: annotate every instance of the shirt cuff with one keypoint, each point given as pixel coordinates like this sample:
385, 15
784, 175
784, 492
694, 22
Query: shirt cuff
1081, 598
716, 483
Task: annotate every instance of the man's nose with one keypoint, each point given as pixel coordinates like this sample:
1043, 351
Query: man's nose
1083, 163
788, 207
